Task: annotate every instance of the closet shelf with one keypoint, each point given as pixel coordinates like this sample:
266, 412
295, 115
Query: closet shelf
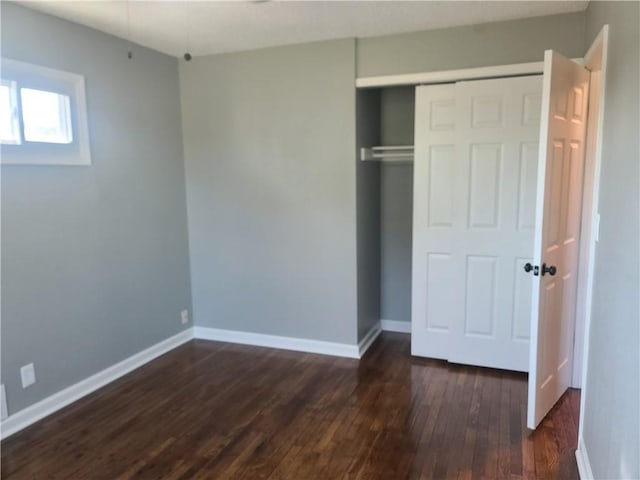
398, 153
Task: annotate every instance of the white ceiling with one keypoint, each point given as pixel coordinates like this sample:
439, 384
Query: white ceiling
207, 27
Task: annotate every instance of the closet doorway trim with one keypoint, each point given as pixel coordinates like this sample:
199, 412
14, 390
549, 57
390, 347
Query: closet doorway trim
446, 76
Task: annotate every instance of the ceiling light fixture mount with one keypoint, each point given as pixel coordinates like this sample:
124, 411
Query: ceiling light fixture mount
187, 24
130, 52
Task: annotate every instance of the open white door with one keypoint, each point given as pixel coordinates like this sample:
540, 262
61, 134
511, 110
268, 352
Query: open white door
563, 122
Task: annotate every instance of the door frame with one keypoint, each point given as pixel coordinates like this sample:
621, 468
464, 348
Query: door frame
594, 60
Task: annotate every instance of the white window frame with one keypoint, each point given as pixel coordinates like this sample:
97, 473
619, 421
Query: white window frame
15, 124
78, 152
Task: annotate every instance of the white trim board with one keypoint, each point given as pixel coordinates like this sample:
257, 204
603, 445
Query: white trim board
277, 341
369, 338
582, 459
445, 76
395, 326
596, 61
448, 76
22, 419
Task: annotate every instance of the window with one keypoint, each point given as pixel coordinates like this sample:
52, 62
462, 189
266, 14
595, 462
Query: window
46, 116
43, 118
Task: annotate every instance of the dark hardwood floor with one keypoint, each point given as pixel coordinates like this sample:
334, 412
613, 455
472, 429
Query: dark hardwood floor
214, 411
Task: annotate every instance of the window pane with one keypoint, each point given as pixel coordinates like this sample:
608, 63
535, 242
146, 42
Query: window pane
9, 131
46, 116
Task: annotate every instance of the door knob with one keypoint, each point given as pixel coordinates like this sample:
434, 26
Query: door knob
551, 270
528, 267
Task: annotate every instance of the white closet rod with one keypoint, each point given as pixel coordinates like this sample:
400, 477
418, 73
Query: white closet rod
398, 153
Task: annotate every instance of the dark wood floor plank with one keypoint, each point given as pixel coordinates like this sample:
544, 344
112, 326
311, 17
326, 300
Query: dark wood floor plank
515, 430
470, 431
214, 410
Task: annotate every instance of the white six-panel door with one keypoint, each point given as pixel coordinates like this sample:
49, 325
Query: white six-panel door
557, 237
433, 299
476, 154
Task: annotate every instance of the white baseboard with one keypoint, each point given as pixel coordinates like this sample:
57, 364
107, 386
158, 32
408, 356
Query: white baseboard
395, 326
368, 339
582, 458
277, 341
22, 419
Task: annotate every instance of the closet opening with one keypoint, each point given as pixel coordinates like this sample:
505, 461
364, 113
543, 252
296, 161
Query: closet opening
385, 127
474, 190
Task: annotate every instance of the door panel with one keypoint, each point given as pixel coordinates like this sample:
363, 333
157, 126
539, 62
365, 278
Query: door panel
484, 185
475, 174
439, 296
497, 135
527, 186
441, 181
557, 235
480, 301
433, 263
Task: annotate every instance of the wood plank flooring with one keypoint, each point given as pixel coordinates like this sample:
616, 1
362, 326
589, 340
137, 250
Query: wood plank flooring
210, 410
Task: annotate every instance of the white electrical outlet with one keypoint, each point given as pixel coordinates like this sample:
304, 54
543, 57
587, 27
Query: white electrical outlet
28, 375
184, 316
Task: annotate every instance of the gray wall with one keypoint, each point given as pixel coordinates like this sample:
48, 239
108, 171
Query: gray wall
497, 43
269, 151
368, 211
397, 119
612, 401
94, 259
246, 118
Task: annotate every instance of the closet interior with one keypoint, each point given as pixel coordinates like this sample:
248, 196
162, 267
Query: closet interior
385, 138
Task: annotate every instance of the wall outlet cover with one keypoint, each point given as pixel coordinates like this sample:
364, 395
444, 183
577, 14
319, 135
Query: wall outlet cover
28, 375
184, 316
